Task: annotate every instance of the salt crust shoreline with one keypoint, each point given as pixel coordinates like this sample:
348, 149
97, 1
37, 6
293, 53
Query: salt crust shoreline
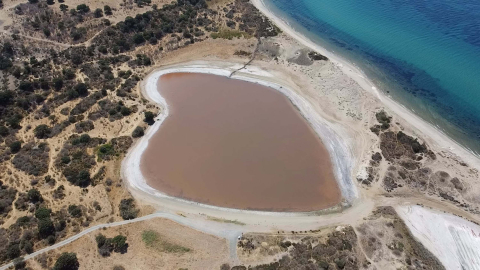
433, 134
340, 153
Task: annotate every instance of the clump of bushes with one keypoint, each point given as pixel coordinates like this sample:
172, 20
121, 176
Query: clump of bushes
149, 117
316, 56
84, 126
107, 245
74, 211
42, 131
7, 196
127, 209
15, 147
105, 151
32, 159
383, 119
74, 160
67, 261
138, 132
44, 223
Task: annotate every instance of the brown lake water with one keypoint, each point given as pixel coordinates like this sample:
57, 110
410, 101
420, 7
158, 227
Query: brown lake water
237, 144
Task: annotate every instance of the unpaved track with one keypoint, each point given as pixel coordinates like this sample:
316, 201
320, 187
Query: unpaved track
230, 234
198, 219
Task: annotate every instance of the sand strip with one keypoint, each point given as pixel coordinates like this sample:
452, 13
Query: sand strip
434, 135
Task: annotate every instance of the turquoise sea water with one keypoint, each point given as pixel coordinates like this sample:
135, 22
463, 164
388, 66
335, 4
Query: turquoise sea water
426, 54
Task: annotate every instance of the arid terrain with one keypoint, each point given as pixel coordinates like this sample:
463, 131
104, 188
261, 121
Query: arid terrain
73, 106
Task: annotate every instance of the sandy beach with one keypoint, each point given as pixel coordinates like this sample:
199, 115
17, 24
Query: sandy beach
433, 135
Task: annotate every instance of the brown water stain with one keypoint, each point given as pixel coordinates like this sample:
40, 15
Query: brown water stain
237, 144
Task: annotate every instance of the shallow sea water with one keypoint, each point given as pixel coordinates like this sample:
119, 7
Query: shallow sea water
426, 54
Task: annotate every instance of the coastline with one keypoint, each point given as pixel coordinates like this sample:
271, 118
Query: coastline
342, 160
433, 135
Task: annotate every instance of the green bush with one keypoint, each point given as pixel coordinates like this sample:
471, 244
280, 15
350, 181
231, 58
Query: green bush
67, 261
34, 195
43, 213
138, 132
119, 243
127, 209
105, 150
15, 146
107, 245
149, 117
19, 263
83, 8
13, 251
107, 10
42, 131
45, 228
98, 13
74, 211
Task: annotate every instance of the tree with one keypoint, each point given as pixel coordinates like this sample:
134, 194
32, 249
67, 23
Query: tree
63, 7
149, 117
100, 239
46, 32
34, 195
83, 178
14, 121
138, 132
43, 213
138, 38
5, 62
13, 251
67, 261
82, 89
33, 1
98, 13
83, 8
45, 228
84, 138
42, 131
125, 111
108, 10
19, 263
50, 2
3, 131
58, 83
15, 146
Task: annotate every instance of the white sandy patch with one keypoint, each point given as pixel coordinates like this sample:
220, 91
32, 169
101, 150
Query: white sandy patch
434, 135
453, 240
338, 149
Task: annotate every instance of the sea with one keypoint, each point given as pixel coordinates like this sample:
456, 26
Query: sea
425, 54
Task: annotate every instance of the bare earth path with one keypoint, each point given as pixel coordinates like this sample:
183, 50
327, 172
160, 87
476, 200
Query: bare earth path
201, 221
229, 234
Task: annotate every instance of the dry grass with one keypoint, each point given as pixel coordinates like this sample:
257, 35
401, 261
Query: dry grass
236, 222
152, 239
